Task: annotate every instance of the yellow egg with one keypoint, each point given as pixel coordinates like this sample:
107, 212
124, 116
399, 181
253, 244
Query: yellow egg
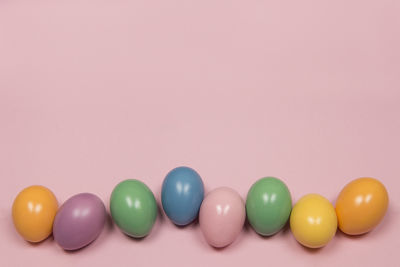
313, 221
361, 206
33, 213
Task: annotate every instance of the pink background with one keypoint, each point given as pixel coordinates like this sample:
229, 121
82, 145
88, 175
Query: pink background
94, 92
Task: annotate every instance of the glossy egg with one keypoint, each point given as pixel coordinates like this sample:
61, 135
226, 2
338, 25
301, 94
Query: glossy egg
181, 195
268, 205
133, 208
79, 221
361, 206
313, 221
222, 216
33, 213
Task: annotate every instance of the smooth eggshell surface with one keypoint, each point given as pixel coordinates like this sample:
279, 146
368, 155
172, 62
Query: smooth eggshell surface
133, 208
33, 213
268, 205
181, 195
313, 221
79, 221
222, 215
361, 206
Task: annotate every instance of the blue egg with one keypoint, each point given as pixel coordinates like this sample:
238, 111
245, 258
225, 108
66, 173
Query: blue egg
181, 195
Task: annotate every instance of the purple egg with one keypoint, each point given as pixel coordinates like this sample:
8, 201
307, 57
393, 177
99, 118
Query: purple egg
79, 221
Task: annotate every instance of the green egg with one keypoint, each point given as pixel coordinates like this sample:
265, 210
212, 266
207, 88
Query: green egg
133, 208
268, 205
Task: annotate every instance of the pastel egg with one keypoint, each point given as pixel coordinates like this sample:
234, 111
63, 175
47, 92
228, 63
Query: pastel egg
361, 206
79, 221
313, 221
133, 208
33, 213
268, 205
181, 195
222, 216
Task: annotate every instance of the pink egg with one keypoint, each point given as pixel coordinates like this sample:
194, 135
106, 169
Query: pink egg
222, 216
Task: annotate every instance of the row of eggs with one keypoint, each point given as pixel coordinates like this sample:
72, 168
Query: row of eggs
360, 206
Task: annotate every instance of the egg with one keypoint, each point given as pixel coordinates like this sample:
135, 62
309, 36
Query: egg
222, 216
133, 208
268, 205
181, 195
361, 206
33, 213
313, 221
79, 221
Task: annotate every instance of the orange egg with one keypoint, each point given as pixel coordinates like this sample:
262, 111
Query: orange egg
361, 205
33, 213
